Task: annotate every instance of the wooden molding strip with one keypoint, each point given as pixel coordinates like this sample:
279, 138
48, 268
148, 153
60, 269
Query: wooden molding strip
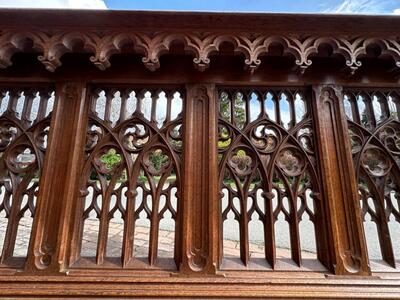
102, 287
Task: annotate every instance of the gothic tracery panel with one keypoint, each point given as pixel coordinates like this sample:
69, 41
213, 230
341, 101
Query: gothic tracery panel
130, 180
268, 171
25, 115
374, 129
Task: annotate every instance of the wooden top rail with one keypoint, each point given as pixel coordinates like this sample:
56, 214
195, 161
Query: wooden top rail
271, 23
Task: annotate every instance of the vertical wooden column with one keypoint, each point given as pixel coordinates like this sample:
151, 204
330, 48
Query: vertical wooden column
59, 172
199, 201
340, 192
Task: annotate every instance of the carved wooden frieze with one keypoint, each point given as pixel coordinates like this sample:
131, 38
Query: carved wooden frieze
51, 47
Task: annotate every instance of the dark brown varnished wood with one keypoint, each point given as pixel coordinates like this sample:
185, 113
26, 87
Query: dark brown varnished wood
339, 185
199, 218
281, 118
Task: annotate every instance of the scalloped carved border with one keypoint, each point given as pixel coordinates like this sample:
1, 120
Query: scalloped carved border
51, 47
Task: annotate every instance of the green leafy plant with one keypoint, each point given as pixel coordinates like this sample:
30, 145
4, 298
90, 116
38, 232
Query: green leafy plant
111, 159
158, 158
224, 144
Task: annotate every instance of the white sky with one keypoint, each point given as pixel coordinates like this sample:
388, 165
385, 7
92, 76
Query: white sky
331, 6
343, 7
78, 4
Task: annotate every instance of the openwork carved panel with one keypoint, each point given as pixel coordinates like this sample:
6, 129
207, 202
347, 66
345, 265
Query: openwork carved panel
268, 168
374, 129
25, 115
130, 179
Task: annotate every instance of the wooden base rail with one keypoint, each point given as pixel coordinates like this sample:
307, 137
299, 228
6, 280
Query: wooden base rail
32, 287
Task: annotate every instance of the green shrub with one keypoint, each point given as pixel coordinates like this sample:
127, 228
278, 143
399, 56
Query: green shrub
111, 159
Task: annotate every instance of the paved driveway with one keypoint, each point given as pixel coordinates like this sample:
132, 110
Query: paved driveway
231, 237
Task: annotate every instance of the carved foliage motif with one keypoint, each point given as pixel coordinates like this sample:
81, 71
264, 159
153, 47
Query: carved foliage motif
132, 165
374, 128
267, 163
24, 127
200, 45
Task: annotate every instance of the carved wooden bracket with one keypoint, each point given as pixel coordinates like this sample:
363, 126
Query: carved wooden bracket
51, 47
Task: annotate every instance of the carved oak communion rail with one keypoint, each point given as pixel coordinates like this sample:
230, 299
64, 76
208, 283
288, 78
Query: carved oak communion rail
247, 155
